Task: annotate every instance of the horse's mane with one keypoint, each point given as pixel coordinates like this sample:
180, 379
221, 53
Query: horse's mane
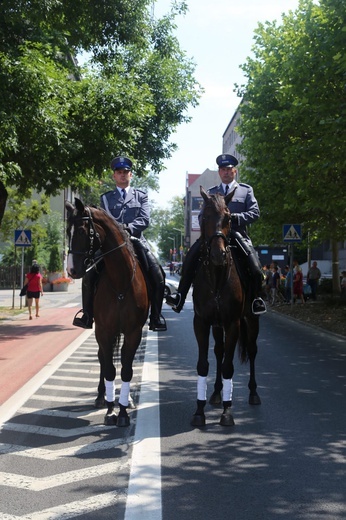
113, 224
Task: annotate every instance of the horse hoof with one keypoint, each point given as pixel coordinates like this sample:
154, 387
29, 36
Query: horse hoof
254, 399
215, 398
110, 420
123, 421
198, 420
99, 402
226, 419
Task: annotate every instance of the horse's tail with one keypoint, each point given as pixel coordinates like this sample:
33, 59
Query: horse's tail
243, 341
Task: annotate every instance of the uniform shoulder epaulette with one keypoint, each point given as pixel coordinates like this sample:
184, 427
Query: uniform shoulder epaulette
141, 190
213, 187
244, 185
107, 193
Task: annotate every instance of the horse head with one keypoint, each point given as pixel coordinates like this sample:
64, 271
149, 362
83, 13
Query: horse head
216, 225
83, 238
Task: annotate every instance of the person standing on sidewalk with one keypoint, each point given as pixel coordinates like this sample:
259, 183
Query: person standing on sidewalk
35, 289
313, 276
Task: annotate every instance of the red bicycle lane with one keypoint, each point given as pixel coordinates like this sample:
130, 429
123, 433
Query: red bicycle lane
26, 346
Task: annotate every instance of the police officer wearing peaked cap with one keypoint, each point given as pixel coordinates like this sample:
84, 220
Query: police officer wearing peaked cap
130, 208
244, 211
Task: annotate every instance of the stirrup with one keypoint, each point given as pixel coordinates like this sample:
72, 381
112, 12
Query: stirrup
175, 301
84, 321
262, 307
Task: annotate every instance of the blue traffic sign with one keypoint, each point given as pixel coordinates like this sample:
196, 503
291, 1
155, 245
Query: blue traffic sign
22, 237
292, 232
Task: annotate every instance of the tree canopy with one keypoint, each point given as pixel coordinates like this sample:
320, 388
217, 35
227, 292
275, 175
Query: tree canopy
293, 122
60, 123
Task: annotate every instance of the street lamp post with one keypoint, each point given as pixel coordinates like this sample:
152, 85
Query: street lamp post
173, 238
181, 242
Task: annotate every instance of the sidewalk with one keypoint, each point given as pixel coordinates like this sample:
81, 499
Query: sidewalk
47, 301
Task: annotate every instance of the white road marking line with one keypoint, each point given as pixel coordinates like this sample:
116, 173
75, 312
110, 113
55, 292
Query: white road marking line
54, 454
9, 408
74, 509
59, 479
55, 412
55, 432
144, 500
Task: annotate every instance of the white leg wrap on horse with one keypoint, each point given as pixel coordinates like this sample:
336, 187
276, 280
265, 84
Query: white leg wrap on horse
110, 391
124, 394
227, 389
202, 388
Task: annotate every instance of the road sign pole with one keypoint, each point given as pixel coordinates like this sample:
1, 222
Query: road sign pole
291, 269
22, 276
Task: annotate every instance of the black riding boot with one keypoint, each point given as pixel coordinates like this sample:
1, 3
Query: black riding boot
88, 288
188, 272
156, 281
247, 251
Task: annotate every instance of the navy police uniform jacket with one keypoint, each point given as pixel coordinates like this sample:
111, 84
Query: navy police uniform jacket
243, 206
134, 211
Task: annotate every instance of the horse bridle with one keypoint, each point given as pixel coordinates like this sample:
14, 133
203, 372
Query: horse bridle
218, 234
90, 261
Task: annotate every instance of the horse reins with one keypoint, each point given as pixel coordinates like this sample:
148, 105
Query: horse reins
90, 261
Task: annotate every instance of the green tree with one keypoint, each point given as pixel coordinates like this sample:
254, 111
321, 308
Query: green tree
56, 132
164, 223
293, 123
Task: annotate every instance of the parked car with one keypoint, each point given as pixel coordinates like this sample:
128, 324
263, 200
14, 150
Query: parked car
171, 287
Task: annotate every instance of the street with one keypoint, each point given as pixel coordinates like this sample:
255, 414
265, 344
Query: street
283, 460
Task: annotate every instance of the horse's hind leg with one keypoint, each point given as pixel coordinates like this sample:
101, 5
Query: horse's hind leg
100, 401
249, 334
215, 398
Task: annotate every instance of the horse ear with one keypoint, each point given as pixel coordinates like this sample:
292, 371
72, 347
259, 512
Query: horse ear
69, 207
79, 205
204, 193
229, 197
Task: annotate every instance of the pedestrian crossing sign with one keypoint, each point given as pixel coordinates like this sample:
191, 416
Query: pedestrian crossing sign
22, 237
292, 232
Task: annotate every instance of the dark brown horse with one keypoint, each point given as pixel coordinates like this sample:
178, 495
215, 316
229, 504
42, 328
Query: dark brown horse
121, 300
220, 302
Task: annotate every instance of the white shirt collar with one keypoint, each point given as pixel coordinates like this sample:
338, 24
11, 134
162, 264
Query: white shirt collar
232, 185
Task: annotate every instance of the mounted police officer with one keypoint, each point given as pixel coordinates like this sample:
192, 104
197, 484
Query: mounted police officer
130, 208
244, 211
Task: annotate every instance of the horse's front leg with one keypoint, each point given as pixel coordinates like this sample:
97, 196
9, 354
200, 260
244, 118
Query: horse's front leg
218, 334
202, 335
128, 352
109, 374
252, 324
231, 338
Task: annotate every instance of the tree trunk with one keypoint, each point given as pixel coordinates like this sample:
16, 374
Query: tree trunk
335, 268
3, 199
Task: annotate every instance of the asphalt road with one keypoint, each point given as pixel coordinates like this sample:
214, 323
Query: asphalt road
284, 459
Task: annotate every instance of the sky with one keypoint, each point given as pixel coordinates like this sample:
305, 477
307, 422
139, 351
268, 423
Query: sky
218, 36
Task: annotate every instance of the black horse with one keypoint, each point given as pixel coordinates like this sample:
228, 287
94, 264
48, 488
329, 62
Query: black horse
121, 301
220, 302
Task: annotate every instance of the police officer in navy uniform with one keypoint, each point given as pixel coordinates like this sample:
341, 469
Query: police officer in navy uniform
130, 208
244, 211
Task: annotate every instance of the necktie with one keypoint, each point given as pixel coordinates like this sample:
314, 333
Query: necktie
226, 189
123, 191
